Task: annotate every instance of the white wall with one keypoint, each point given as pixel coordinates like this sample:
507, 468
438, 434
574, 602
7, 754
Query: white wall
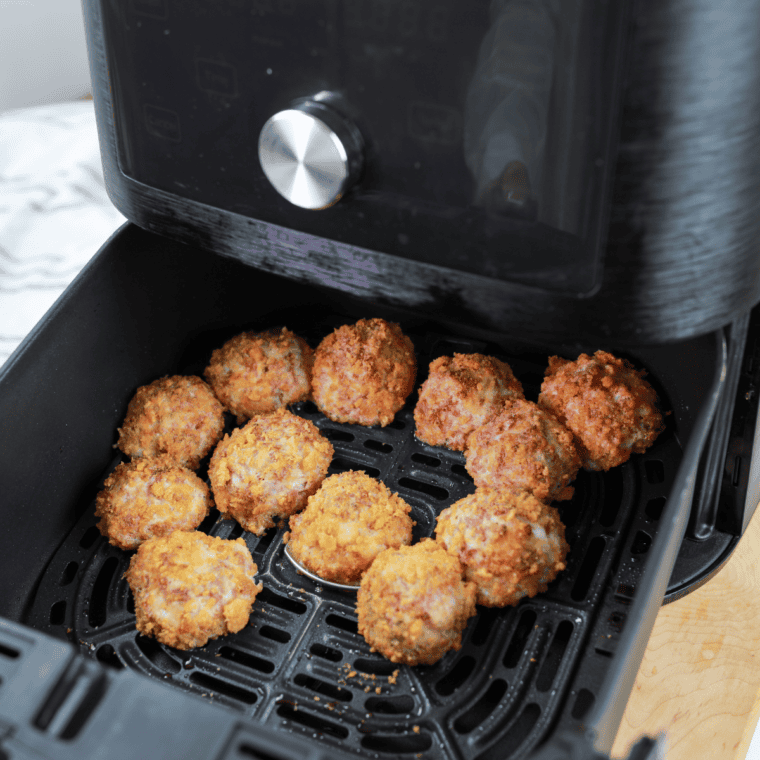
42, 52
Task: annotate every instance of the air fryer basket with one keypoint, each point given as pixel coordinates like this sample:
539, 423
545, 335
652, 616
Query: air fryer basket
147, 307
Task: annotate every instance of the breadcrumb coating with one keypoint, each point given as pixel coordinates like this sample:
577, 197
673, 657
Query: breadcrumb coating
268, 469
149, 497
190, 587
511, 545
606, 403
413, 603
346, 524
364, 372
176, 416
256, 373
524, 448
460, 394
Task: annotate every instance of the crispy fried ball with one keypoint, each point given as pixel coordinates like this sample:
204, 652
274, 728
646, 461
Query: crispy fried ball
177, 416
346, 524
606, 403
413, 603
460, 394
255, 373
268, 469
149, 497
511, 545
364, 372
190, 587
524, 448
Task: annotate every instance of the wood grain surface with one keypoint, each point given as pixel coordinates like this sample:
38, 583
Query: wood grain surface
699, 681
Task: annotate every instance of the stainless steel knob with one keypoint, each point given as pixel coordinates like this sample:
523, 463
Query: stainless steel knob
311, 154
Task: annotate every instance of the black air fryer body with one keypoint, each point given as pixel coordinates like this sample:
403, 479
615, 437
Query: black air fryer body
524, 178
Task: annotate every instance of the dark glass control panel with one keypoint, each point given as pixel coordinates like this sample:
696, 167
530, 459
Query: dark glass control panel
487, 126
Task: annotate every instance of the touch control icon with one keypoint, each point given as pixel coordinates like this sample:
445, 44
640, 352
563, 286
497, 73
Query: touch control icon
311, 154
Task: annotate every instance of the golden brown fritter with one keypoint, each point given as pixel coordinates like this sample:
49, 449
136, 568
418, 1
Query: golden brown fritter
268, 469
511, 545
524, 448
364, 372
256, 373
413, 603
190, 587
346, 524
176, 416
606, 403
149, 497
460, 394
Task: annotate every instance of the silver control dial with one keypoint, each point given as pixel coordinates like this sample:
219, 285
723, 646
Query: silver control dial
311, 154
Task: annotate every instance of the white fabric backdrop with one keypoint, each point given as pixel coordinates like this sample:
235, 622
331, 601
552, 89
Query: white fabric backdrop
54, 210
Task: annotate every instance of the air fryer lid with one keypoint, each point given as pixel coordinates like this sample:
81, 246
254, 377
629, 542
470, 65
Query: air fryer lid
183, 94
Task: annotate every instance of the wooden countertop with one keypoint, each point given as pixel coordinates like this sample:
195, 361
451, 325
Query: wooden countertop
699, 681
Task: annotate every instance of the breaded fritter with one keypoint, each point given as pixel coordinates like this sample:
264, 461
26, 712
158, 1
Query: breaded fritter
413, 603
346, 524
462, 393
363, 373
149, 497
268, 469
606, 403
190, 587
256, 373
524, 448
176, 416
511, 545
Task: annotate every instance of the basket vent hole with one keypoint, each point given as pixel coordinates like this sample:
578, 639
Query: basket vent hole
587, 571
58, 613
99, 597
314, 722
655, 471
208, 521
222, 687
427, 488
265, 541
246, 659
69, 573
613, 498
130, 602
252, 753
482, 708
641, 543
428, 461
616, 620
337, 435
339, 464
235, 532
583, 703
405, 744
9, 652
520, 638
375, 667
456, 676
654, 507
486, 620
275, 634
107, 655
267, 596
461, 471
383, 448
89, 537
309, 407
554, 656
344, 624
326, 653
517, 733
157, 655
322, 687
390, 705
397, 425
